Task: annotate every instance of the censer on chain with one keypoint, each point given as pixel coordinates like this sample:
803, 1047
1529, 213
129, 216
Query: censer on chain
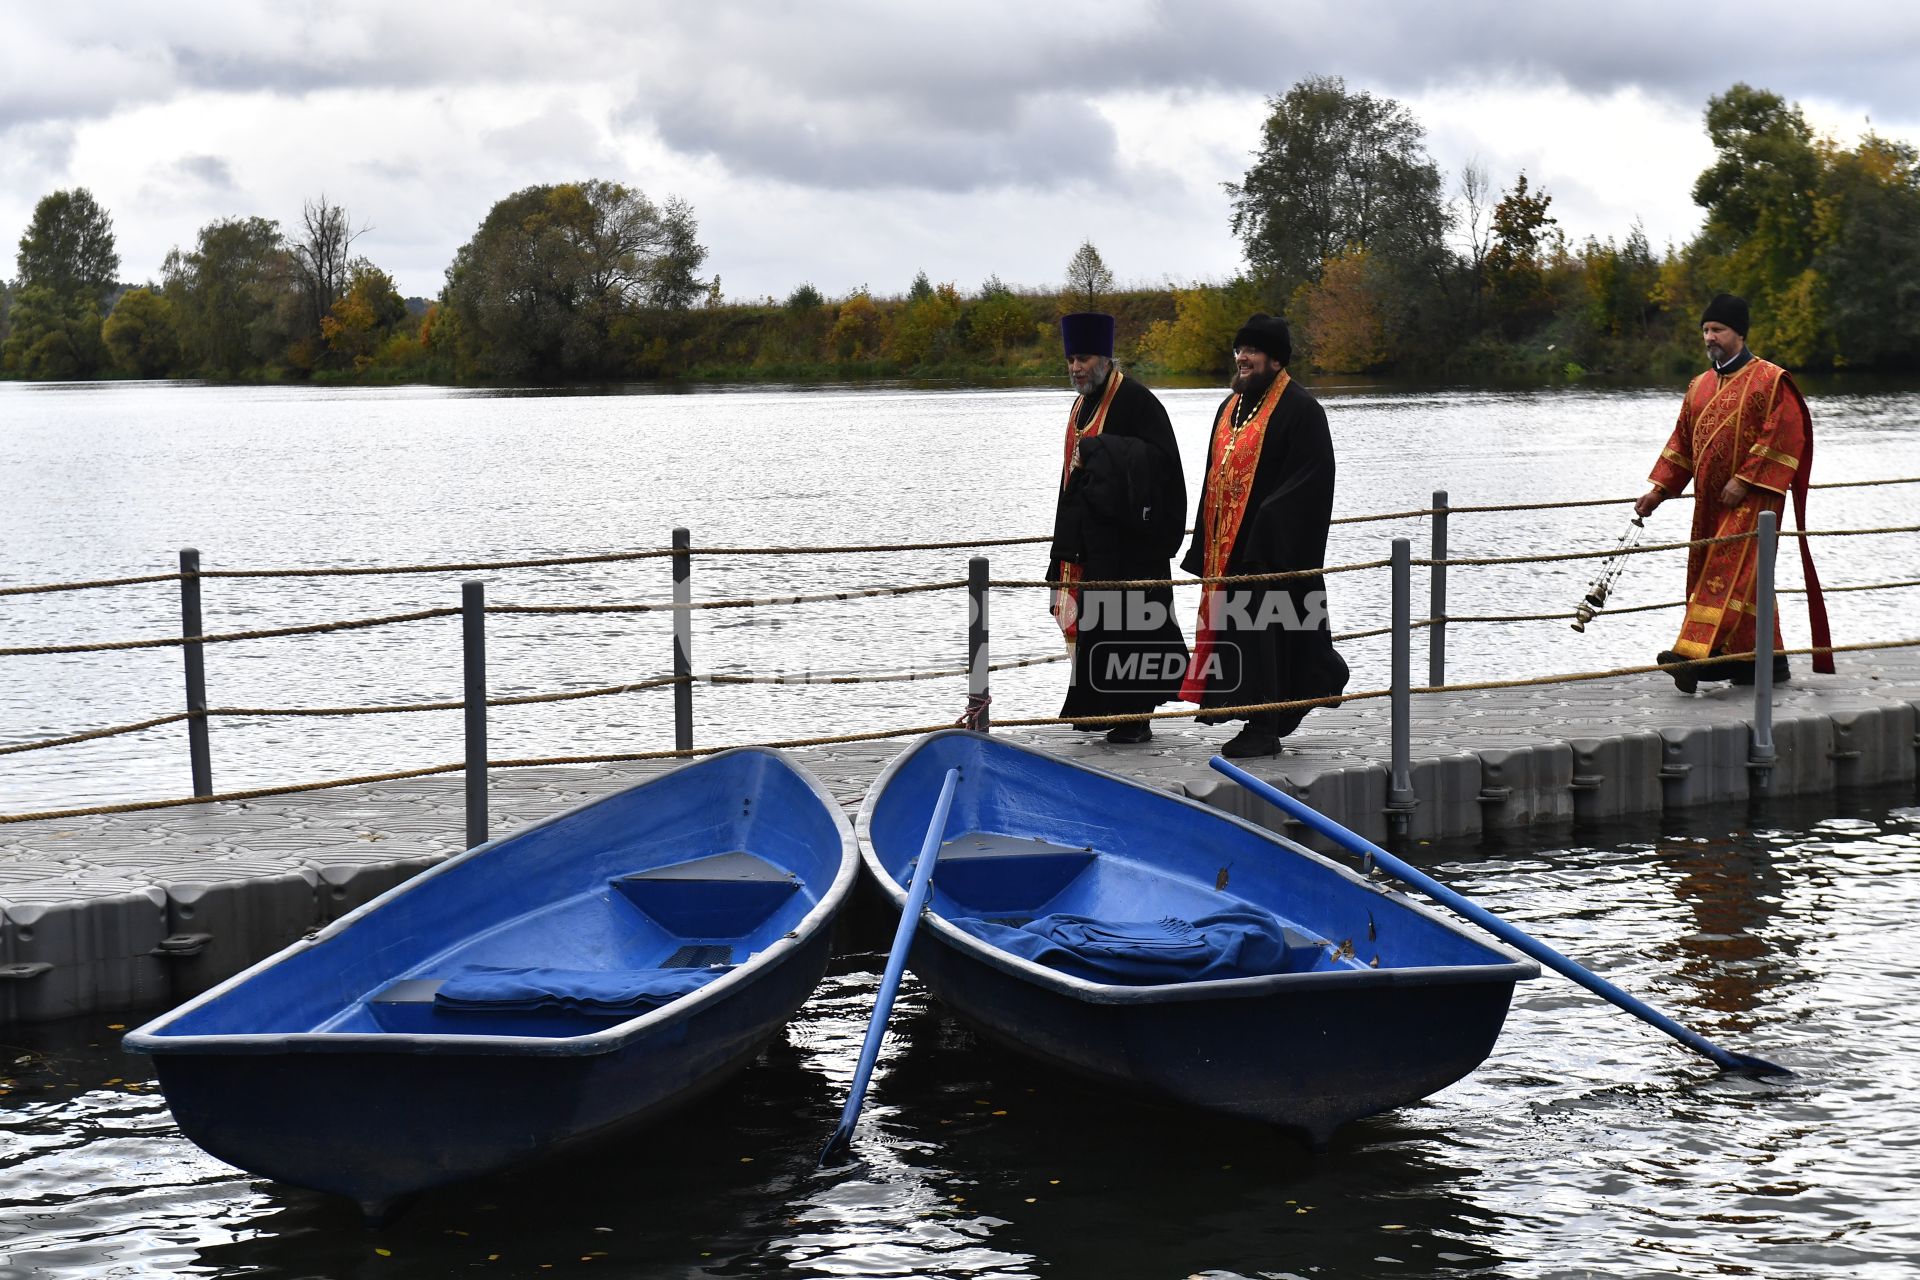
1602, 585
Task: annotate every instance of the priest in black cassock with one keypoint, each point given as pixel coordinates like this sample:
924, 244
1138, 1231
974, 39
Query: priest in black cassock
1121, 514
1265, 504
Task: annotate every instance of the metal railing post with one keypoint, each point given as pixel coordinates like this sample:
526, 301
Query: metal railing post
199, 754
978, 666
473, 636
682, 641
1400, 797
1437, 601
1763, 755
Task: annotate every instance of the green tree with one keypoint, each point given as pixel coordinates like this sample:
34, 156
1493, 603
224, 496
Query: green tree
1087, 277
1338, 171
1622, 284
140, 334
52, 337
920, 289
805, 300
1515, 265
235, 298
68, 247
540, 287
1867, 221
1759, 195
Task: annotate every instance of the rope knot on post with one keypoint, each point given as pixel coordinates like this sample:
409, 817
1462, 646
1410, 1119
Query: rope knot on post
975, 716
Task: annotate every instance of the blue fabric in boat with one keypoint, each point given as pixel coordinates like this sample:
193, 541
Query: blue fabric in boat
1230, 944
483, 987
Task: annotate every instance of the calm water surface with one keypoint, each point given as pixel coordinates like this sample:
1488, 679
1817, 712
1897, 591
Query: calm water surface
111, 480
1586, 1145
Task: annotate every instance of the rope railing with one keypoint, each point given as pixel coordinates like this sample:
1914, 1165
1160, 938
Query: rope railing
656, 553
532, 699
1232, 712
268, 633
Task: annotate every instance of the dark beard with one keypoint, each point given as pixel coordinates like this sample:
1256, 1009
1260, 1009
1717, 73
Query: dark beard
1253, 385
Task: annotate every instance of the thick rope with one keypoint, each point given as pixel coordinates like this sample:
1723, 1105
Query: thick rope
224, 637
1118, 584
88, 586
475, 566
859, 593
115, 731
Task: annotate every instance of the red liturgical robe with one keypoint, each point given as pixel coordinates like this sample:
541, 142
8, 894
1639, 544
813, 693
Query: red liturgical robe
1752, 424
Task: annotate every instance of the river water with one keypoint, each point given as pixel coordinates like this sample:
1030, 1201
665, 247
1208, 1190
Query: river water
1587, 1145
110, 480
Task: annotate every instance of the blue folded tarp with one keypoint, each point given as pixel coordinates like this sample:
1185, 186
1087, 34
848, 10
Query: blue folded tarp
610, 990
1231, 944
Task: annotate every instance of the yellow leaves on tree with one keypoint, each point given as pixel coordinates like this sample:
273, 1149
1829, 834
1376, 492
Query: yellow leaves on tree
925, 329
365, 316
1341, 316
856, 333
1199, 338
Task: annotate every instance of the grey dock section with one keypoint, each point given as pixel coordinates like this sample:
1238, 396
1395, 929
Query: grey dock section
136, 910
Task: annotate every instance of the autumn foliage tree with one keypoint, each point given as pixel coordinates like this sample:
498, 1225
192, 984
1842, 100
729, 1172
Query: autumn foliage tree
1341, 316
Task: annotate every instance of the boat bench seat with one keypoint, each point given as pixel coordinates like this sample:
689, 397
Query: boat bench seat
407, 1006
1003, 875
724, 895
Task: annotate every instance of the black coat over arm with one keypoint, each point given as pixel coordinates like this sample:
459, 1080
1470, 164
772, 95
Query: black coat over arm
1121, 516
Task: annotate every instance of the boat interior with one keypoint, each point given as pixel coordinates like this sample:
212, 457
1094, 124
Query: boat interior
597, 958
1013, 880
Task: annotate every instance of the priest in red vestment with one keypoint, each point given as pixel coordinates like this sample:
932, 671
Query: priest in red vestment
1265, 505
1745, 440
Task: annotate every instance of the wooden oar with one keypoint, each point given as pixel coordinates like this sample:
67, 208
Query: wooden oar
1739, 1062
841, 1142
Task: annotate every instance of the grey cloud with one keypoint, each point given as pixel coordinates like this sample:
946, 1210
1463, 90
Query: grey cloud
1044, 142
558, 137
210, 172
969, 97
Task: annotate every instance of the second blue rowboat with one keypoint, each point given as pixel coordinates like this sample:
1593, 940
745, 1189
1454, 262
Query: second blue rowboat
1121, 932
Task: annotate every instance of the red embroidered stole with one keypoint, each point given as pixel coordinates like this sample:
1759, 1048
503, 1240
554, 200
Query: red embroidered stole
1232, 459
1065, 602
1729, 419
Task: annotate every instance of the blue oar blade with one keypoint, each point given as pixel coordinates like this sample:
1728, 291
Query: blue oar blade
1742, 1063
841, 1143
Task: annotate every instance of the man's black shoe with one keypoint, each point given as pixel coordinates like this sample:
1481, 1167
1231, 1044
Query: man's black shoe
1252, 742
1685, 678
1129, 733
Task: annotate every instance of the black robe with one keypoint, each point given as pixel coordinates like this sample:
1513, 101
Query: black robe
1121, 515
1285, 527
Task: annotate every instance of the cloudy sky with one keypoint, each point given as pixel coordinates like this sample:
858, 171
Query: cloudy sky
850, 142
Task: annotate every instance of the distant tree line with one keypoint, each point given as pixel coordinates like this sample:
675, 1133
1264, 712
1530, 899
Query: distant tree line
1345, 223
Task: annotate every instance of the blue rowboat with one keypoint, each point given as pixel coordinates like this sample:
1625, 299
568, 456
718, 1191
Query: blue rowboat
579, 975
1155, 943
